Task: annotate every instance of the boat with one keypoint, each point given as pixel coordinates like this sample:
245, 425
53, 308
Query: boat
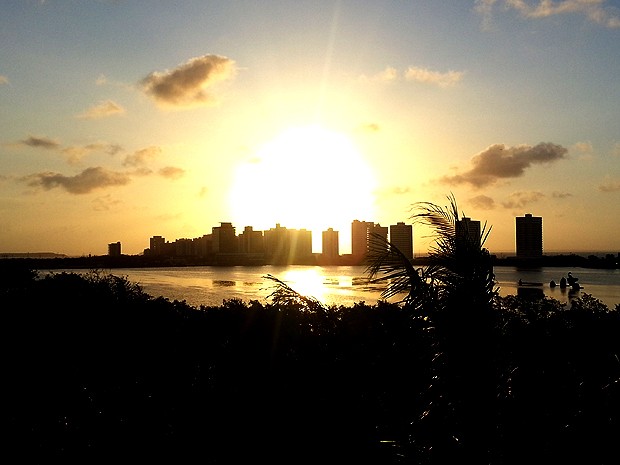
529, 283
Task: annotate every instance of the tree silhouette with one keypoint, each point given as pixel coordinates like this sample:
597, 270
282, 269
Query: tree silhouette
456, 291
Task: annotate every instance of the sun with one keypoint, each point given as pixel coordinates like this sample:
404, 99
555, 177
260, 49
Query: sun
307, 177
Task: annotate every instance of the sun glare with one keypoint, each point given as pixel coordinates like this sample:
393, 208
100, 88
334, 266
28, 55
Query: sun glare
306, 177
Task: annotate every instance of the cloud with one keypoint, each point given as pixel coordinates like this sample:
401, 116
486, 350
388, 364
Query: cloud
41, 142
172, 172
188, 84
75, 154
482, 202
102, 110
142, 157
609, 185
427, 76
561, 195
105, 203
389, 74
594, 10
398, 190
87, 181
3, 79
417, 74
521, 199
369, 127
501, 162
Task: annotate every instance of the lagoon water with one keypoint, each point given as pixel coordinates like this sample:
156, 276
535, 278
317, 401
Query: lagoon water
339, 285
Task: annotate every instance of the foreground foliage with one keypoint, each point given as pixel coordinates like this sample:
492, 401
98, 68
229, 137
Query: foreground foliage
98, 371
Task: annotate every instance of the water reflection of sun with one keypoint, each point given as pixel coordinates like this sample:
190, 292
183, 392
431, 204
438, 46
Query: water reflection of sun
307, 178
307, 282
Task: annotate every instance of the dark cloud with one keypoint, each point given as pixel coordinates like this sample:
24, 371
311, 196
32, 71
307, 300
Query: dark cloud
172, 172
188, 83
521, 199
502, 162
87, 181
41, 142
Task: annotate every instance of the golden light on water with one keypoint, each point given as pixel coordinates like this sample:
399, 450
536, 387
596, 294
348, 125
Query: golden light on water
307, 282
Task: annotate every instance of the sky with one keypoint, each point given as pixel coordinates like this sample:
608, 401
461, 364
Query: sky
123, 120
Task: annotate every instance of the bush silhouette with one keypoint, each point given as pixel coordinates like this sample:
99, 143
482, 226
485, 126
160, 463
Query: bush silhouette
98, 371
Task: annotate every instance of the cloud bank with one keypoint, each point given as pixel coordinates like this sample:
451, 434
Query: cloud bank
189, 84
501, 162
594, 10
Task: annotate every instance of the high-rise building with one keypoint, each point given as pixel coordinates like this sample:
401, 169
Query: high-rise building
365, 234
157, 245
114, 249
401, 236
224, 238
288, 246
467, 233
251, 241
359, 237
529, 236
330, 246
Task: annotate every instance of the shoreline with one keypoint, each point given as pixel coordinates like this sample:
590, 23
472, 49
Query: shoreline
610, 261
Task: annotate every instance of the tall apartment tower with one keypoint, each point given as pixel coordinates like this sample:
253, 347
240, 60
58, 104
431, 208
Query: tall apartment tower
157, 245
363, 236
467, 233
401, 236
251, 241
330, 246
114, 249
224, 238
359, 237
529, 236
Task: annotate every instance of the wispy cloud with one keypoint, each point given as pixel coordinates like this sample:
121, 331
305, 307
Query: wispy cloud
75, 153
596, 11
522, 199
83, 183
609, 184
417, 74
172, 172
189, 84
482, 202
102, 110
41, 142
369, 128
142, 157
501, 162
428, 76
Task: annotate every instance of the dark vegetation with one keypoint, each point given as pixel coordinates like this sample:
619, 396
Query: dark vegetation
97, 371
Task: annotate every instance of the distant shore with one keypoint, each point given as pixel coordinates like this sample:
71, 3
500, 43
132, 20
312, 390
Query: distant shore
54, 261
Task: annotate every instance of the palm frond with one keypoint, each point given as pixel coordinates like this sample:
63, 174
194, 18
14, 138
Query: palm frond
285, 296
387, 264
